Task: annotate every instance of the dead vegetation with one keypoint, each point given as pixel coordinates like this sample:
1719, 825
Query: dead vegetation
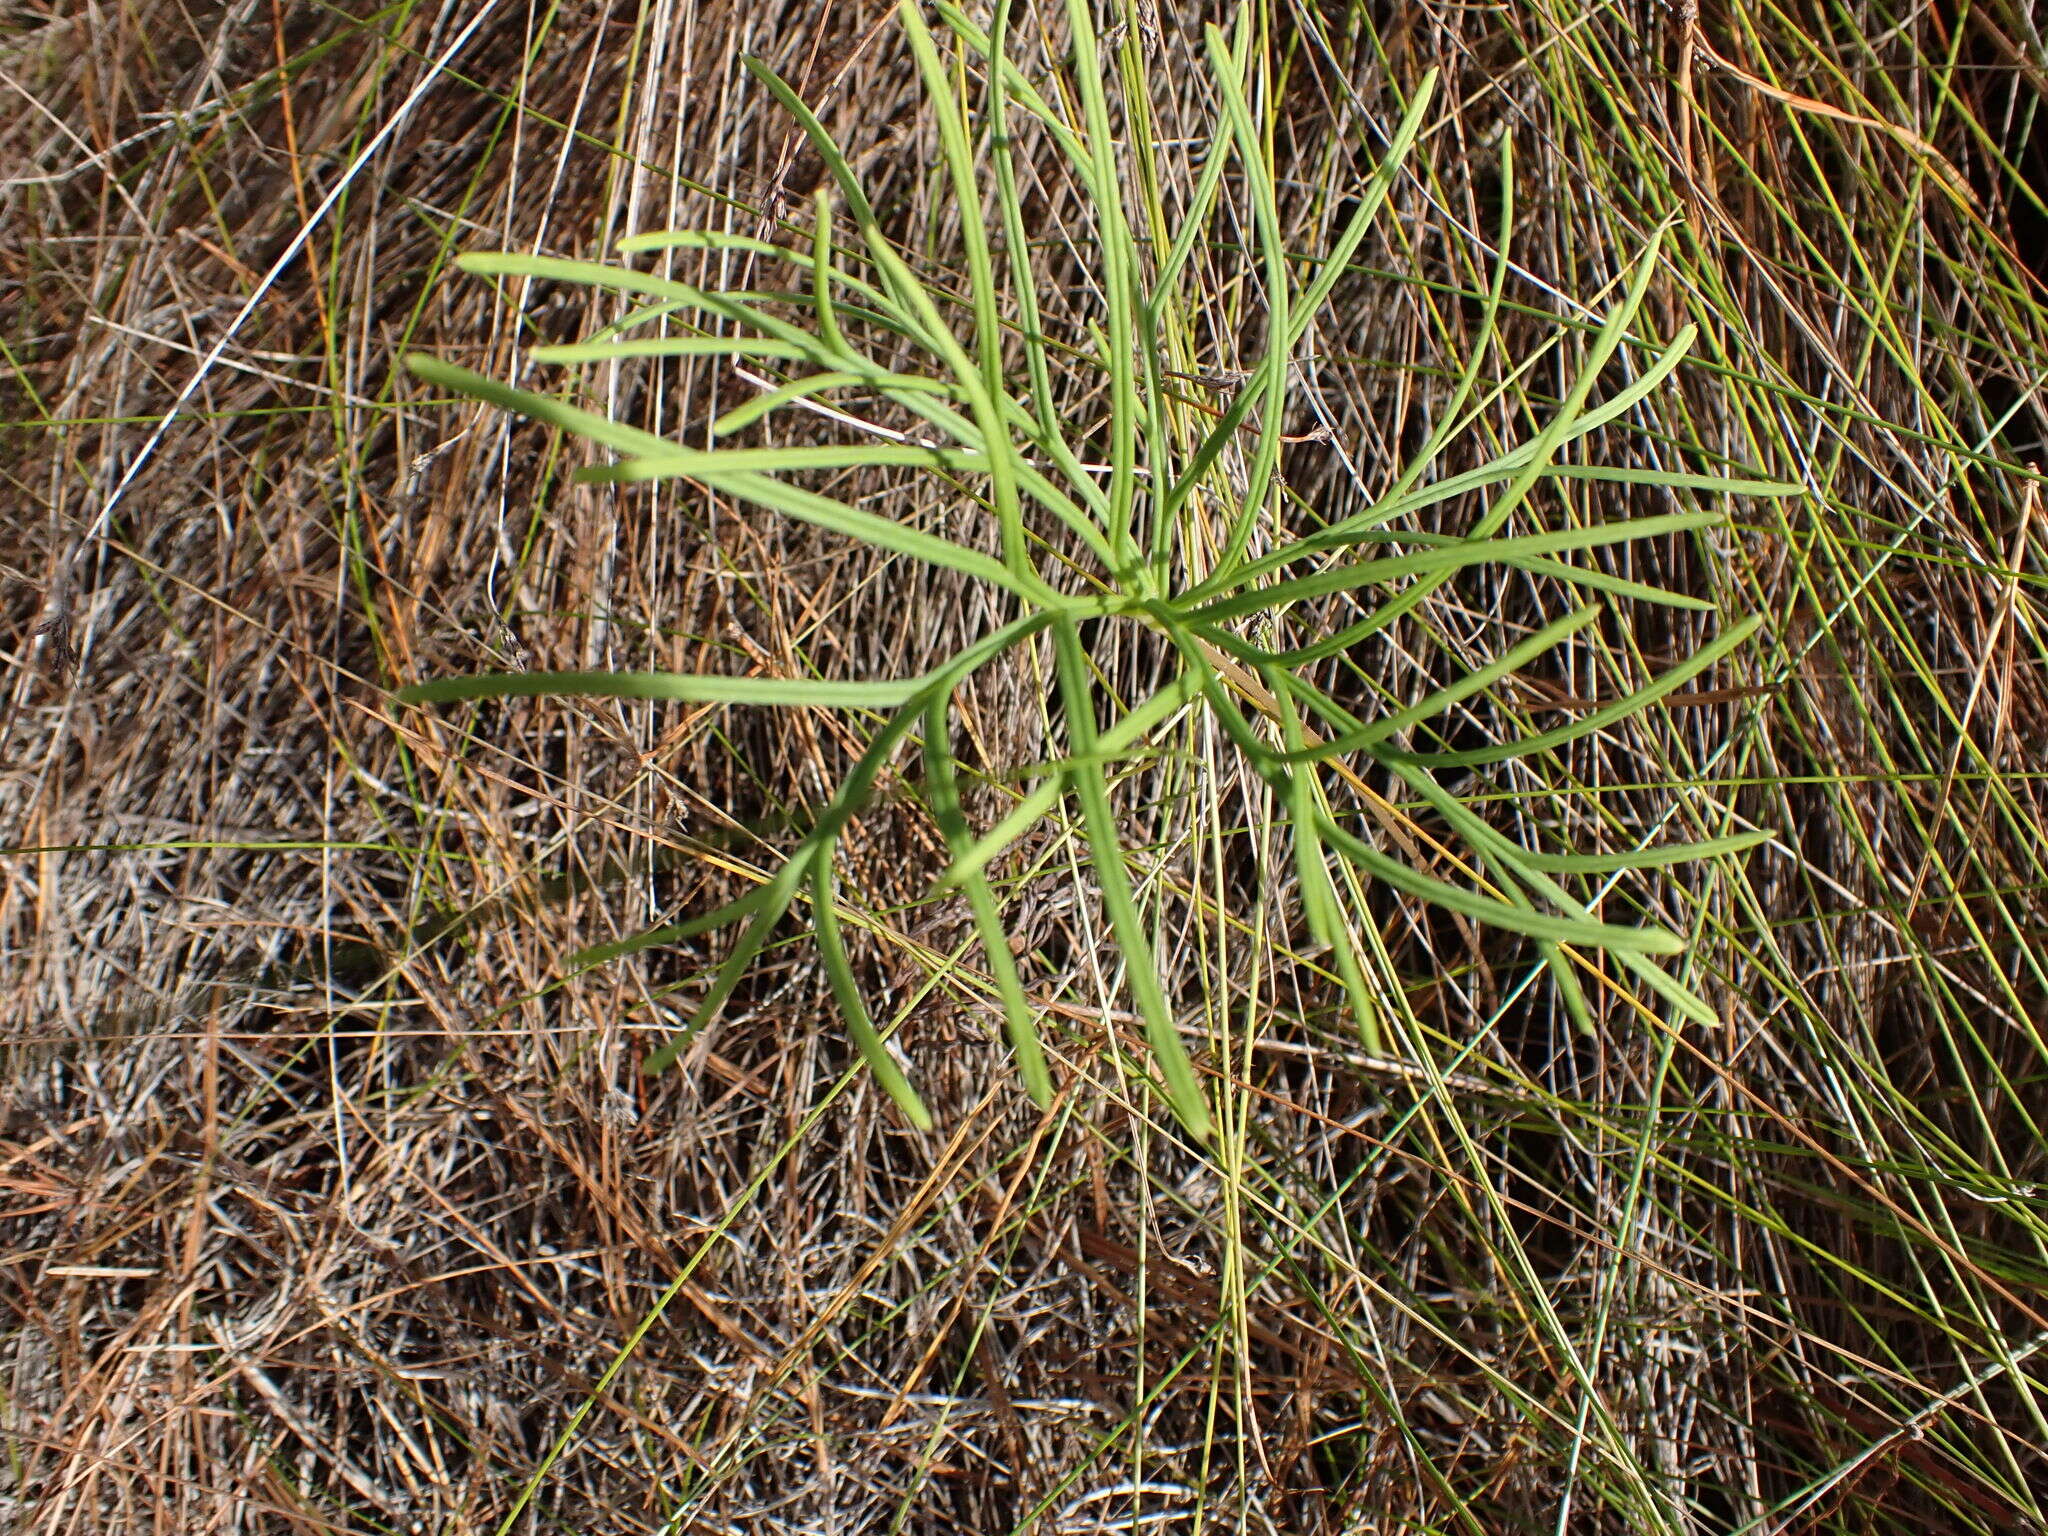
330, 1191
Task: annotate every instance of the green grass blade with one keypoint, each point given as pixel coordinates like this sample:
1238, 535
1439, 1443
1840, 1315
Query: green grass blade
773, 900
1486, 839
708, 922
1321, 907
1498, 914
1649, 858
1600, 719
541, 408
1476, 681
1117, 254
943, 787
846, 990
1110, 744
664, 346
699, 463
868, 527
1270, 379
1183, 1090
1443, 559
991, 408
686, 687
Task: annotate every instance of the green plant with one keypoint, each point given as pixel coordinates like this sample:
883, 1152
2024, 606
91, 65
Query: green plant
1150, 559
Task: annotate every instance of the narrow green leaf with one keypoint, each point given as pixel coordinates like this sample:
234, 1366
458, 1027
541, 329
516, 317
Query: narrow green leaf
990, 408
699, 240
541, 408
1498, 914
690, 688
1337, 260
1015, 84
773, 901
1522, 466
1674, 480
770, 905
1352, 635
1273, 373
725, 469
1443, 559
1599, 719
597, 274
1475, 681
1220, 436
907, 297
769, 401
728, 305
944, 789
868, 527
846, 990
1183, 1090
823, 304
1035, 806
1116, 260
1487, 840
822, 141
706, 463
709, 922
1321, 907
1649, 858
1508, 866
664, 346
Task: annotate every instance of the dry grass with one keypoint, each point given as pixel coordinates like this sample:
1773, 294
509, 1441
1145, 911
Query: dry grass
331, 1190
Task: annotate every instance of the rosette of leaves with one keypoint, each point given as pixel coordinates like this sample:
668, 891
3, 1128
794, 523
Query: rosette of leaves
993, 432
